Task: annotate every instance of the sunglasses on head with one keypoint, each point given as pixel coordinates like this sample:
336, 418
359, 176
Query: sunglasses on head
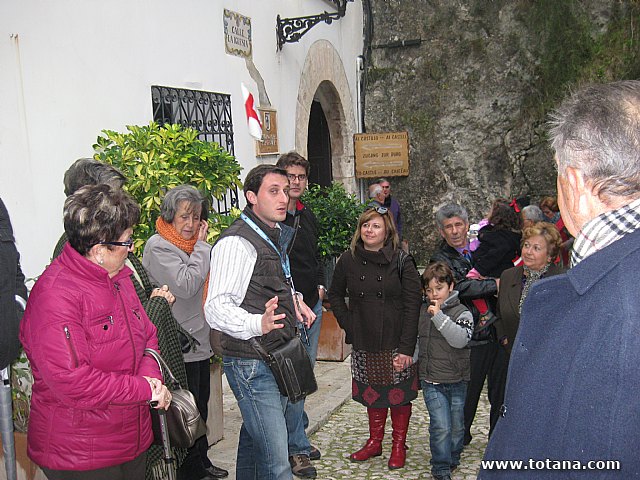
380, 210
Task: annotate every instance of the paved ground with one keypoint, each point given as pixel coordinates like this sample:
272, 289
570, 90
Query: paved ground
339, 427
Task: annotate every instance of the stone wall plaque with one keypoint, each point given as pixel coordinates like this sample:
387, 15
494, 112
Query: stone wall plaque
381, 154
269, 143
237, 34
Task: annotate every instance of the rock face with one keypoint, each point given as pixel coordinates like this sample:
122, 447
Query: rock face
474, 96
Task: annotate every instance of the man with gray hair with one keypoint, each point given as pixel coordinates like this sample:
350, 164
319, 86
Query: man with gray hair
531, 214
488, 359
574, 382
376, 195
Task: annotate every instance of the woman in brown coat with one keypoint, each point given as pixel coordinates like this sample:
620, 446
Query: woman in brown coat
540, 248
381, 322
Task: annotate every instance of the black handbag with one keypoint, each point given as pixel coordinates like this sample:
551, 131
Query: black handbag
291, 367
184, 422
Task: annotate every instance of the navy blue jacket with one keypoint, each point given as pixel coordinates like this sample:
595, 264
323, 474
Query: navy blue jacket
573, 389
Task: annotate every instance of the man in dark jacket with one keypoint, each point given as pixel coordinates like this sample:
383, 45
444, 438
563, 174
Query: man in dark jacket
308, 277
487, 357
573, 385
11, 284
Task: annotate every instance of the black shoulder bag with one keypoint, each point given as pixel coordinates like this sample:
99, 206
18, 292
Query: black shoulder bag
291, 367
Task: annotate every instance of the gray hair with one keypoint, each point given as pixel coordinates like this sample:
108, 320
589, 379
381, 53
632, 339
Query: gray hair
449, 211
177, 195
374, 190
533, 213
88, 171
597, 130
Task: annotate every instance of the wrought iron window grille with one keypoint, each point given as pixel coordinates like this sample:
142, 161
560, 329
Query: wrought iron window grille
290, 30
207, 112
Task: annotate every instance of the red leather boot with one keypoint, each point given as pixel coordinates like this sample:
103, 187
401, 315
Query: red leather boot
373, 447
400, 422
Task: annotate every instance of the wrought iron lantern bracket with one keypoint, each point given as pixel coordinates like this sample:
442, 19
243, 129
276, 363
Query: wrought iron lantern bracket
290, 30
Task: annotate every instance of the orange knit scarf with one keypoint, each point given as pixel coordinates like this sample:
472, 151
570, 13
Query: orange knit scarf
171, 235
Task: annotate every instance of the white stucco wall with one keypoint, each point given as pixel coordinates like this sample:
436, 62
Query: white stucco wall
70, 68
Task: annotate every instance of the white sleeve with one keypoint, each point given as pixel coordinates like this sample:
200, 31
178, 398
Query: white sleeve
232, 261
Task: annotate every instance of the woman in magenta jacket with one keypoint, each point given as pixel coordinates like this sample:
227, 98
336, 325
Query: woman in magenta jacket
85, 331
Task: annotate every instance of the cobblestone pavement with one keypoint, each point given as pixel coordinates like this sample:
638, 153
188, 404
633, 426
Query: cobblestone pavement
338, 429
347, 430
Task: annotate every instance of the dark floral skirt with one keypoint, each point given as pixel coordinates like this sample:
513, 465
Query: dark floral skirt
376, 384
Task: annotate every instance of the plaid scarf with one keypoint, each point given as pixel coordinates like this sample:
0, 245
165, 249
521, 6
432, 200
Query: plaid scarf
605, 229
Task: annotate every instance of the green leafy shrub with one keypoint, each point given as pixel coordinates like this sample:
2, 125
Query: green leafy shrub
157, 158
337, 212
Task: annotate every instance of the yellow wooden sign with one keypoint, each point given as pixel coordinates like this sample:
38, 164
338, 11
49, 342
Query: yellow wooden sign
381, 154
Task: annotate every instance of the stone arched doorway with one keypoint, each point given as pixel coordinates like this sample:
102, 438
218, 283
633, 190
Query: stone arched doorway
324, 81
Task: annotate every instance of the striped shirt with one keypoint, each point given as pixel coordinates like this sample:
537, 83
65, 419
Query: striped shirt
232, 261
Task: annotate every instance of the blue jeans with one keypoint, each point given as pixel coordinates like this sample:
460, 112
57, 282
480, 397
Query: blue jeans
262, 447
445, 403
297, 420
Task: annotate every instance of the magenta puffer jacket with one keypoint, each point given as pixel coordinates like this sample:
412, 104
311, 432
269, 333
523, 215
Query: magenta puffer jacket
84, 334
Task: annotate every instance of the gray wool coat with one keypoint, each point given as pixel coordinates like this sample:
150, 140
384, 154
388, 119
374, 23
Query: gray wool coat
185, 276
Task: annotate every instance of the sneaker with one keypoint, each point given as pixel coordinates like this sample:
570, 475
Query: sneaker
442, 477
314, 453
301, 466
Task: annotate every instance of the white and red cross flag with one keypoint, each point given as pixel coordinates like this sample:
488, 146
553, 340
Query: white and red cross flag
253, 120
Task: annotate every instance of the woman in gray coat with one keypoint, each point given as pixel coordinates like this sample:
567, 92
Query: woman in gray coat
178, 256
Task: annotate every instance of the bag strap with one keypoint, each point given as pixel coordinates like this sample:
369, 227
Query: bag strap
296, 224
257, 346
402, 258
150, 352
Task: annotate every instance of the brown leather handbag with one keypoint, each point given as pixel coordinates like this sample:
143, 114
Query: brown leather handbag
185, 425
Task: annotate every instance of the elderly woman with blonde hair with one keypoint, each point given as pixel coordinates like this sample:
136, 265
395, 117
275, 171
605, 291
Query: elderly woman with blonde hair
541, 245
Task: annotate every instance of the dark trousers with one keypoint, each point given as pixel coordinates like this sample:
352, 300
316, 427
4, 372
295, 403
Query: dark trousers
487, 361
131, 470
199, 379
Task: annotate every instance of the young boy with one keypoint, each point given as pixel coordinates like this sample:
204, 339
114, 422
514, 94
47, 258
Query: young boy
444, 330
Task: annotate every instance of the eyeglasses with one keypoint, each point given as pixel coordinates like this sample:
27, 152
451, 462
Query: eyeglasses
380, 210
293, 177
128, 243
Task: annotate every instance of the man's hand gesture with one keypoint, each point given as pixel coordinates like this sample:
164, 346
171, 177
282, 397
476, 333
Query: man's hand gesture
271, 320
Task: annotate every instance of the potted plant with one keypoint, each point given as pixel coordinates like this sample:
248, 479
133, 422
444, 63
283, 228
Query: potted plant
157, 158
337, 212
